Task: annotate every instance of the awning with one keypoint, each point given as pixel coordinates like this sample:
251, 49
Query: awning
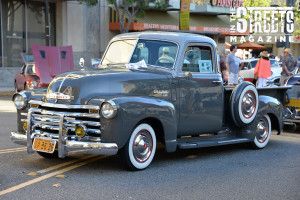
208, 24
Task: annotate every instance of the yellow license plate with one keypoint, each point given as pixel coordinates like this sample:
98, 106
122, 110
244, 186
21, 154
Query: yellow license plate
44, 145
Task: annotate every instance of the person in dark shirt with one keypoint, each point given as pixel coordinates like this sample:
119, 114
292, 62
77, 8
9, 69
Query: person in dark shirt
289, 63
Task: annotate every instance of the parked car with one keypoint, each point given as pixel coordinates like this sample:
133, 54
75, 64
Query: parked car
293, 101
42, 66
27, 78
248, 66
143, 93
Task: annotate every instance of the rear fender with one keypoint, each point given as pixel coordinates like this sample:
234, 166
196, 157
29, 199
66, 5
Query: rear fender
272, 107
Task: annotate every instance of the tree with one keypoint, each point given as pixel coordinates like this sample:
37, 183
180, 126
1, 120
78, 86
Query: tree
257, 3
130, 9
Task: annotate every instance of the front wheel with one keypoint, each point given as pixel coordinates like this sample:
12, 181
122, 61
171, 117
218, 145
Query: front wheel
262, 133
139, 150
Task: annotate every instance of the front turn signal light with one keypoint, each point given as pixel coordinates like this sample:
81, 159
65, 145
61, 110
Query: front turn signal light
24, 125
80, 130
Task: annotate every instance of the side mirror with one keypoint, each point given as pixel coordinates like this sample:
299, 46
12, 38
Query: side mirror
81, 63
21, 72
188, 75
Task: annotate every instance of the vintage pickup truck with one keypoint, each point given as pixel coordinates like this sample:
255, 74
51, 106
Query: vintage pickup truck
175, 97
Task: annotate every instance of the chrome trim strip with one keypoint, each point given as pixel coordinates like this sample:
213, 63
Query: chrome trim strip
18, 138
89, 123
45, 118
29, 136
62, 152
53, 105
24, 114
69, 114
234, 140
56, 136
56, 128
96, 147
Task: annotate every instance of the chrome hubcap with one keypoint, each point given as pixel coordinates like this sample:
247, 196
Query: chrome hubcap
248, 104
142, 146
262, 130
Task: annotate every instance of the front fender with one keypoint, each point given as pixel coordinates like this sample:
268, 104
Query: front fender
131, 111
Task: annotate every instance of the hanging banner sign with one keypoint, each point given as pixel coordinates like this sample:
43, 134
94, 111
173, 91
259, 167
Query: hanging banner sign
184, 18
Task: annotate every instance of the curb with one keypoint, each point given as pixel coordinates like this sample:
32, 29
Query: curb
6, 93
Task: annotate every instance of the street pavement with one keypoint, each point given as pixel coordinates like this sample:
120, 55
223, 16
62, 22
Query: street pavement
225, 172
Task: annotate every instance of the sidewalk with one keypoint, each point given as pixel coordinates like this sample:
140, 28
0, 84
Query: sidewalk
7, 91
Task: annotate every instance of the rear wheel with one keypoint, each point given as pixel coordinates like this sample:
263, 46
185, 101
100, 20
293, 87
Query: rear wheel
48, 155
139, 150
262, 133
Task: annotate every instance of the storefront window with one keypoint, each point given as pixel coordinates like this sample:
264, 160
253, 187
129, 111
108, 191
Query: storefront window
23, 24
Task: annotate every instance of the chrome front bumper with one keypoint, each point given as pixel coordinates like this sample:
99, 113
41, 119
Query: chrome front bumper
69, 145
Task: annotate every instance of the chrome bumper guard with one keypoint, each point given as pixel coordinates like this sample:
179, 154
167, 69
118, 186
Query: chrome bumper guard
64, 145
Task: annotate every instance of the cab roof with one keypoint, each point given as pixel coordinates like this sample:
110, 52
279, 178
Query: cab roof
177, 37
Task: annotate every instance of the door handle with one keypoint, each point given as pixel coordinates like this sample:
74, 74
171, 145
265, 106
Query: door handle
217, 82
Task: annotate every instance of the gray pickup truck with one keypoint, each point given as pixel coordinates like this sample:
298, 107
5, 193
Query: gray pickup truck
150, 87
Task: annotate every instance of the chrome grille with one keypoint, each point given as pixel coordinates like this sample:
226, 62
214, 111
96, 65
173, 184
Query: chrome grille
45, 119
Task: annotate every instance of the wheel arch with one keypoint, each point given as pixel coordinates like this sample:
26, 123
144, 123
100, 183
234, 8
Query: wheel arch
274, 122
156, 124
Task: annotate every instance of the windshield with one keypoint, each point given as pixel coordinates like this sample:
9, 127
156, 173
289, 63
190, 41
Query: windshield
158, 53
27, 57
119, 52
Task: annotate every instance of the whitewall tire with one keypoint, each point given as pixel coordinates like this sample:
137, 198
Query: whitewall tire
262, 133
244, 104
140, 149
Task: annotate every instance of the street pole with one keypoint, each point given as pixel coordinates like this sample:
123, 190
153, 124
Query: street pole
289, 3
47, 30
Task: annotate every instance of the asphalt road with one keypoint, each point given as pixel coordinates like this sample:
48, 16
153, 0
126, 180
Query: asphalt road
226, 172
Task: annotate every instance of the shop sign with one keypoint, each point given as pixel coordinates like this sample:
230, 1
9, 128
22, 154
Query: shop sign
227, 3
184, 14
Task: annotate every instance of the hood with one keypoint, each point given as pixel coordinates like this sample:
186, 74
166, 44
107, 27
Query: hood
51, 61
82, 86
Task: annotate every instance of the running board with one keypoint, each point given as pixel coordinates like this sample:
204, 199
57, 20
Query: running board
198, 142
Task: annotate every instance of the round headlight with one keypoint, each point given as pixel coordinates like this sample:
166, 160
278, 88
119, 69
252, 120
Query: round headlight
109, 109
20, 100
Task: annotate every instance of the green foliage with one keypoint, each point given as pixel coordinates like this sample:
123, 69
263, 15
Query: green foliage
297, 24
130, 9
89, 2
257, 3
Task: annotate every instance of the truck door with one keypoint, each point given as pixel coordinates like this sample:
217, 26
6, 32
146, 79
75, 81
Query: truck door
201, 92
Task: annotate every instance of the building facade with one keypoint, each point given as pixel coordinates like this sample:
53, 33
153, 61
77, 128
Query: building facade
88, 29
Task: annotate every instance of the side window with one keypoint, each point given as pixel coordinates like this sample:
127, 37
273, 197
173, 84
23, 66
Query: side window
198, 59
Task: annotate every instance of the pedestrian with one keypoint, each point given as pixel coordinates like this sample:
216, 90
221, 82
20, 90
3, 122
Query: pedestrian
223, 68
232, 66
263, 69
289, 63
